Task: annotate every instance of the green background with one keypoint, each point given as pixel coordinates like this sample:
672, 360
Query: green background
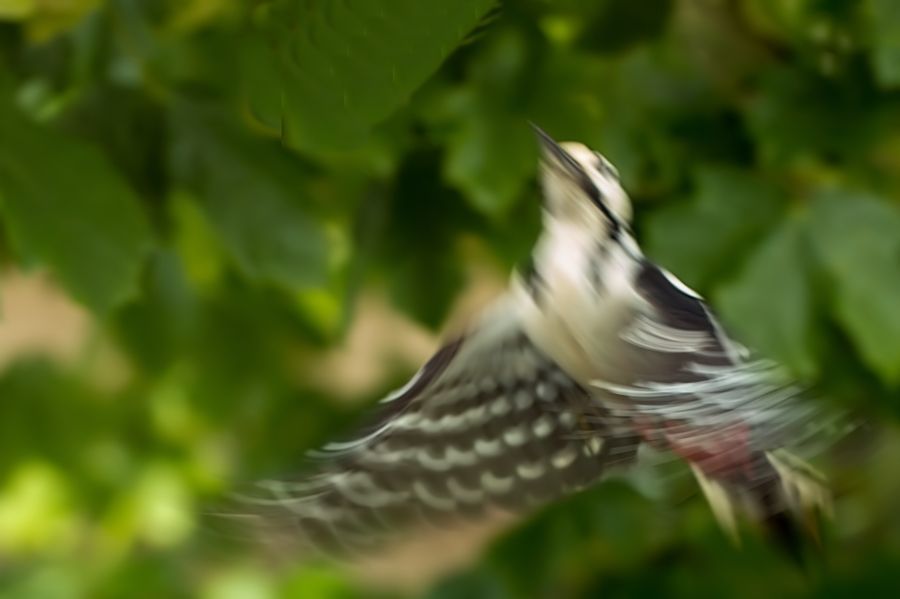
223, 192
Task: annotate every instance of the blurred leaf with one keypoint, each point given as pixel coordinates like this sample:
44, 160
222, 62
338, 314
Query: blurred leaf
34, 509
490, 149
260, 83
66, 206
153, 573
240, 583
623, 23
857, 238
779, 325
195, 240
779, 18
884, 31
156, 326
702, 239
346, 65
490, 159
112, 118
45, 19
41, 426
316, 582
194, 14
604, 529
419, 254
563, 98
156, 509
788, 117
47, 581
476, 583
14, 10
256, 197
656, 113
423, 285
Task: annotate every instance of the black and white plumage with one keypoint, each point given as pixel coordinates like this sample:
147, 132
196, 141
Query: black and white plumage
591, 354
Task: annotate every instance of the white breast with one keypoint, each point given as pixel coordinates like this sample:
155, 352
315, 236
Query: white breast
574, 320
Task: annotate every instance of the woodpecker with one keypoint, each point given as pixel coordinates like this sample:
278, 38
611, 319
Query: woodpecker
593, 352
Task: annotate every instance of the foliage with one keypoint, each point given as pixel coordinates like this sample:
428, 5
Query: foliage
220, 182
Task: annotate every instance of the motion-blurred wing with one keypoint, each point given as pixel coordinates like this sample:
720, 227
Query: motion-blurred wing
685, 375
691, 390
489, 421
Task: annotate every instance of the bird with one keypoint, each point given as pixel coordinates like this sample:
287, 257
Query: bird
593, 352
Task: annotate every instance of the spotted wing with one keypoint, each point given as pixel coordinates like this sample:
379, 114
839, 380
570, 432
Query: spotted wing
489, 421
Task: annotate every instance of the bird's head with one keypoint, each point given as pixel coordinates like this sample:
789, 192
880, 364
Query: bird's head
581, 186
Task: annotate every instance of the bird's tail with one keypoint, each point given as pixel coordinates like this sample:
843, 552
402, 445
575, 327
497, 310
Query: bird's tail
784, 493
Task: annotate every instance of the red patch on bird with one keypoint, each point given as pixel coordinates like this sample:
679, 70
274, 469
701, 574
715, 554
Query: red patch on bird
717, 450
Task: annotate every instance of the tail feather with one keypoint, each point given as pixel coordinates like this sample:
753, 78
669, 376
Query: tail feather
786, 496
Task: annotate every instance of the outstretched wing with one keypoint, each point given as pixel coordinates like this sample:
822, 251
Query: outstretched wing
691, 390
489, 421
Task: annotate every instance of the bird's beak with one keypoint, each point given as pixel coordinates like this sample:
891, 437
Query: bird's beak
555, 159
554, 156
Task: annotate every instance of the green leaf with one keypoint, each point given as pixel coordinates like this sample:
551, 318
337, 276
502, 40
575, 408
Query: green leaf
346, 65
604, 529
260, 83
158, 324
471, 583
491, 152
621, 24
318, 582
789, 119
563, 98
420, 260
65, 206
659, 116
857, 238
16, 10
770, 304
884, 32
256, 197
490, 159
423, 285
701, 240
418, 249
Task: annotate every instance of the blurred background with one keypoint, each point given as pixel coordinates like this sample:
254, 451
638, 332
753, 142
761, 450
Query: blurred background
229, 227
